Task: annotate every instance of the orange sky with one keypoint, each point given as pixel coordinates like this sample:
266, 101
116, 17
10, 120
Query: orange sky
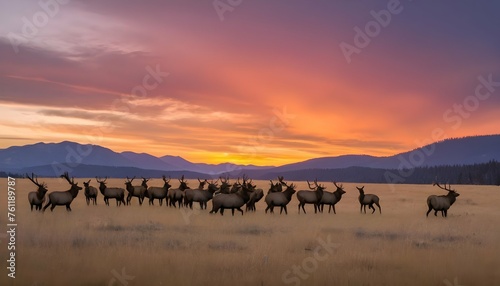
80, 78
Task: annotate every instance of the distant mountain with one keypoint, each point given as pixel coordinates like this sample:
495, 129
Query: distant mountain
69, 155
77, 157
458, 151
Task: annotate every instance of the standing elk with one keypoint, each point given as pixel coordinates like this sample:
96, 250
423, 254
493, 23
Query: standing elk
159, 193
279, 199
111, 193
231, 201
255, 197
441, 203
37, 198
136, 191
90, 193
311, 197
368, 200
177, 195
189, 194
331, 199
201, 196
63, 198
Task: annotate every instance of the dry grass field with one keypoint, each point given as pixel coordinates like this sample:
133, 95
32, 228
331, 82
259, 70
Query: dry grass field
145, 245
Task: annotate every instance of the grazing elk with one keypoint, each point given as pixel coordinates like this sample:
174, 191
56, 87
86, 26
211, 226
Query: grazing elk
441, 203
231, 201
199, 195
368, 200
37, 198
189, 194
63, 198
159, 193
136, 191
331, 199
111, 193
311, 197
280, 199
176, 195
90, 193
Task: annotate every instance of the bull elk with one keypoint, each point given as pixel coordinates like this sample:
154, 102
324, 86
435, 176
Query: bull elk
136, 191
279, 199
311, 197
331, 199
176, 195
199, 195
193, 195
159, 193
255, 197
37, 198
90, 193
441, 203
111, 193
63, 198
231, 201
368, 200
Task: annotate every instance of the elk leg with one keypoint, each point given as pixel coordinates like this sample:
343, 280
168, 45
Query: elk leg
240, 210
333, 206
379, 208
286, 212
232, 211
52, 207
68, 208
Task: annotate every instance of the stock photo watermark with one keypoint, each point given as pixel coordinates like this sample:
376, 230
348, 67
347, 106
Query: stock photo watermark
150, 81
363, 36
32, 25
120, 278
455, 116
302, 271
223, 6
11, 227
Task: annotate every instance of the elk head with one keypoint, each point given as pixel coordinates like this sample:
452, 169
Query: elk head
339, 188
86, 184
144, 182
74, 186
450, 191
42, 188
361, 190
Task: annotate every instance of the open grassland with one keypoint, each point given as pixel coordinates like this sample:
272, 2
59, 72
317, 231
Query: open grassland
94, 245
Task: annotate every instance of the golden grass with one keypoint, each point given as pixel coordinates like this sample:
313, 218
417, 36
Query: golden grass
159, 246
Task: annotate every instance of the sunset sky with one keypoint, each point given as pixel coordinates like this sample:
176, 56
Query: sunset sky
84, 71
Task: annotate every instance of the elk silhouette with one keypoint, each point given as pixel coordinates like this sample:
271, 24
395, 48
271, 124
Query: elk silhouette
136, 191
111, 193
231, 201
159, 193
194, 195
331, 199
90, 193
311, 197
368, 200
177, 195
255, 197
279, 199
37, 198
441, 203
63, 198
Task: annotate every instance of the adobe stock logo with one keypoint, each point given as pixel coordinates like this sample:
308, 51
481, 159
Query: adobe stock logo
373, 28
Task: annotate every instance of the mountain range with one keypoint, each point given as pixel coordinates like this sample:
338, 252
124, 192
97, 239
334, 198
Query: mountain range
86, 160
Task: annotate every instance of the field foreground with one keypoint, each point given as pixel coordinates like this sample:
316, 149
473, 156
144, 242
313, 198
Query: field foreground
153, 245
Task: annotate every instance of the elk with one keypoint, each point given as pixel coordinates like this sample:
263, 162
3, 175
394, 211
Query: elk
225, 186
280, 199
368, 200
176, 195
311, 197
332, 198
111, 193
441, 203
136, 191
37, 198
231, 201
63, 198
199, 195
189, 194
255, 197
159, 193
278, 187
90, 193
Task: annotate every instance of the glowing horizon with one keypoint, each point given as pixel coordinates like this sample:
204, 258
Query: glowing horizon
267, 85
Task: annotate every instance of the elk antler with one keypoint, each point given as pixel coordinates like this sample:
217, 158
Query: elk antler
66, 176
33, 179
312, 188
341, 185
444, 188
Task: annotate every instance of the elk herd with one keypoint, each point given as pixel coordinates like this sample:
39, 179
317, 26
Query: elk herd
224, 196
